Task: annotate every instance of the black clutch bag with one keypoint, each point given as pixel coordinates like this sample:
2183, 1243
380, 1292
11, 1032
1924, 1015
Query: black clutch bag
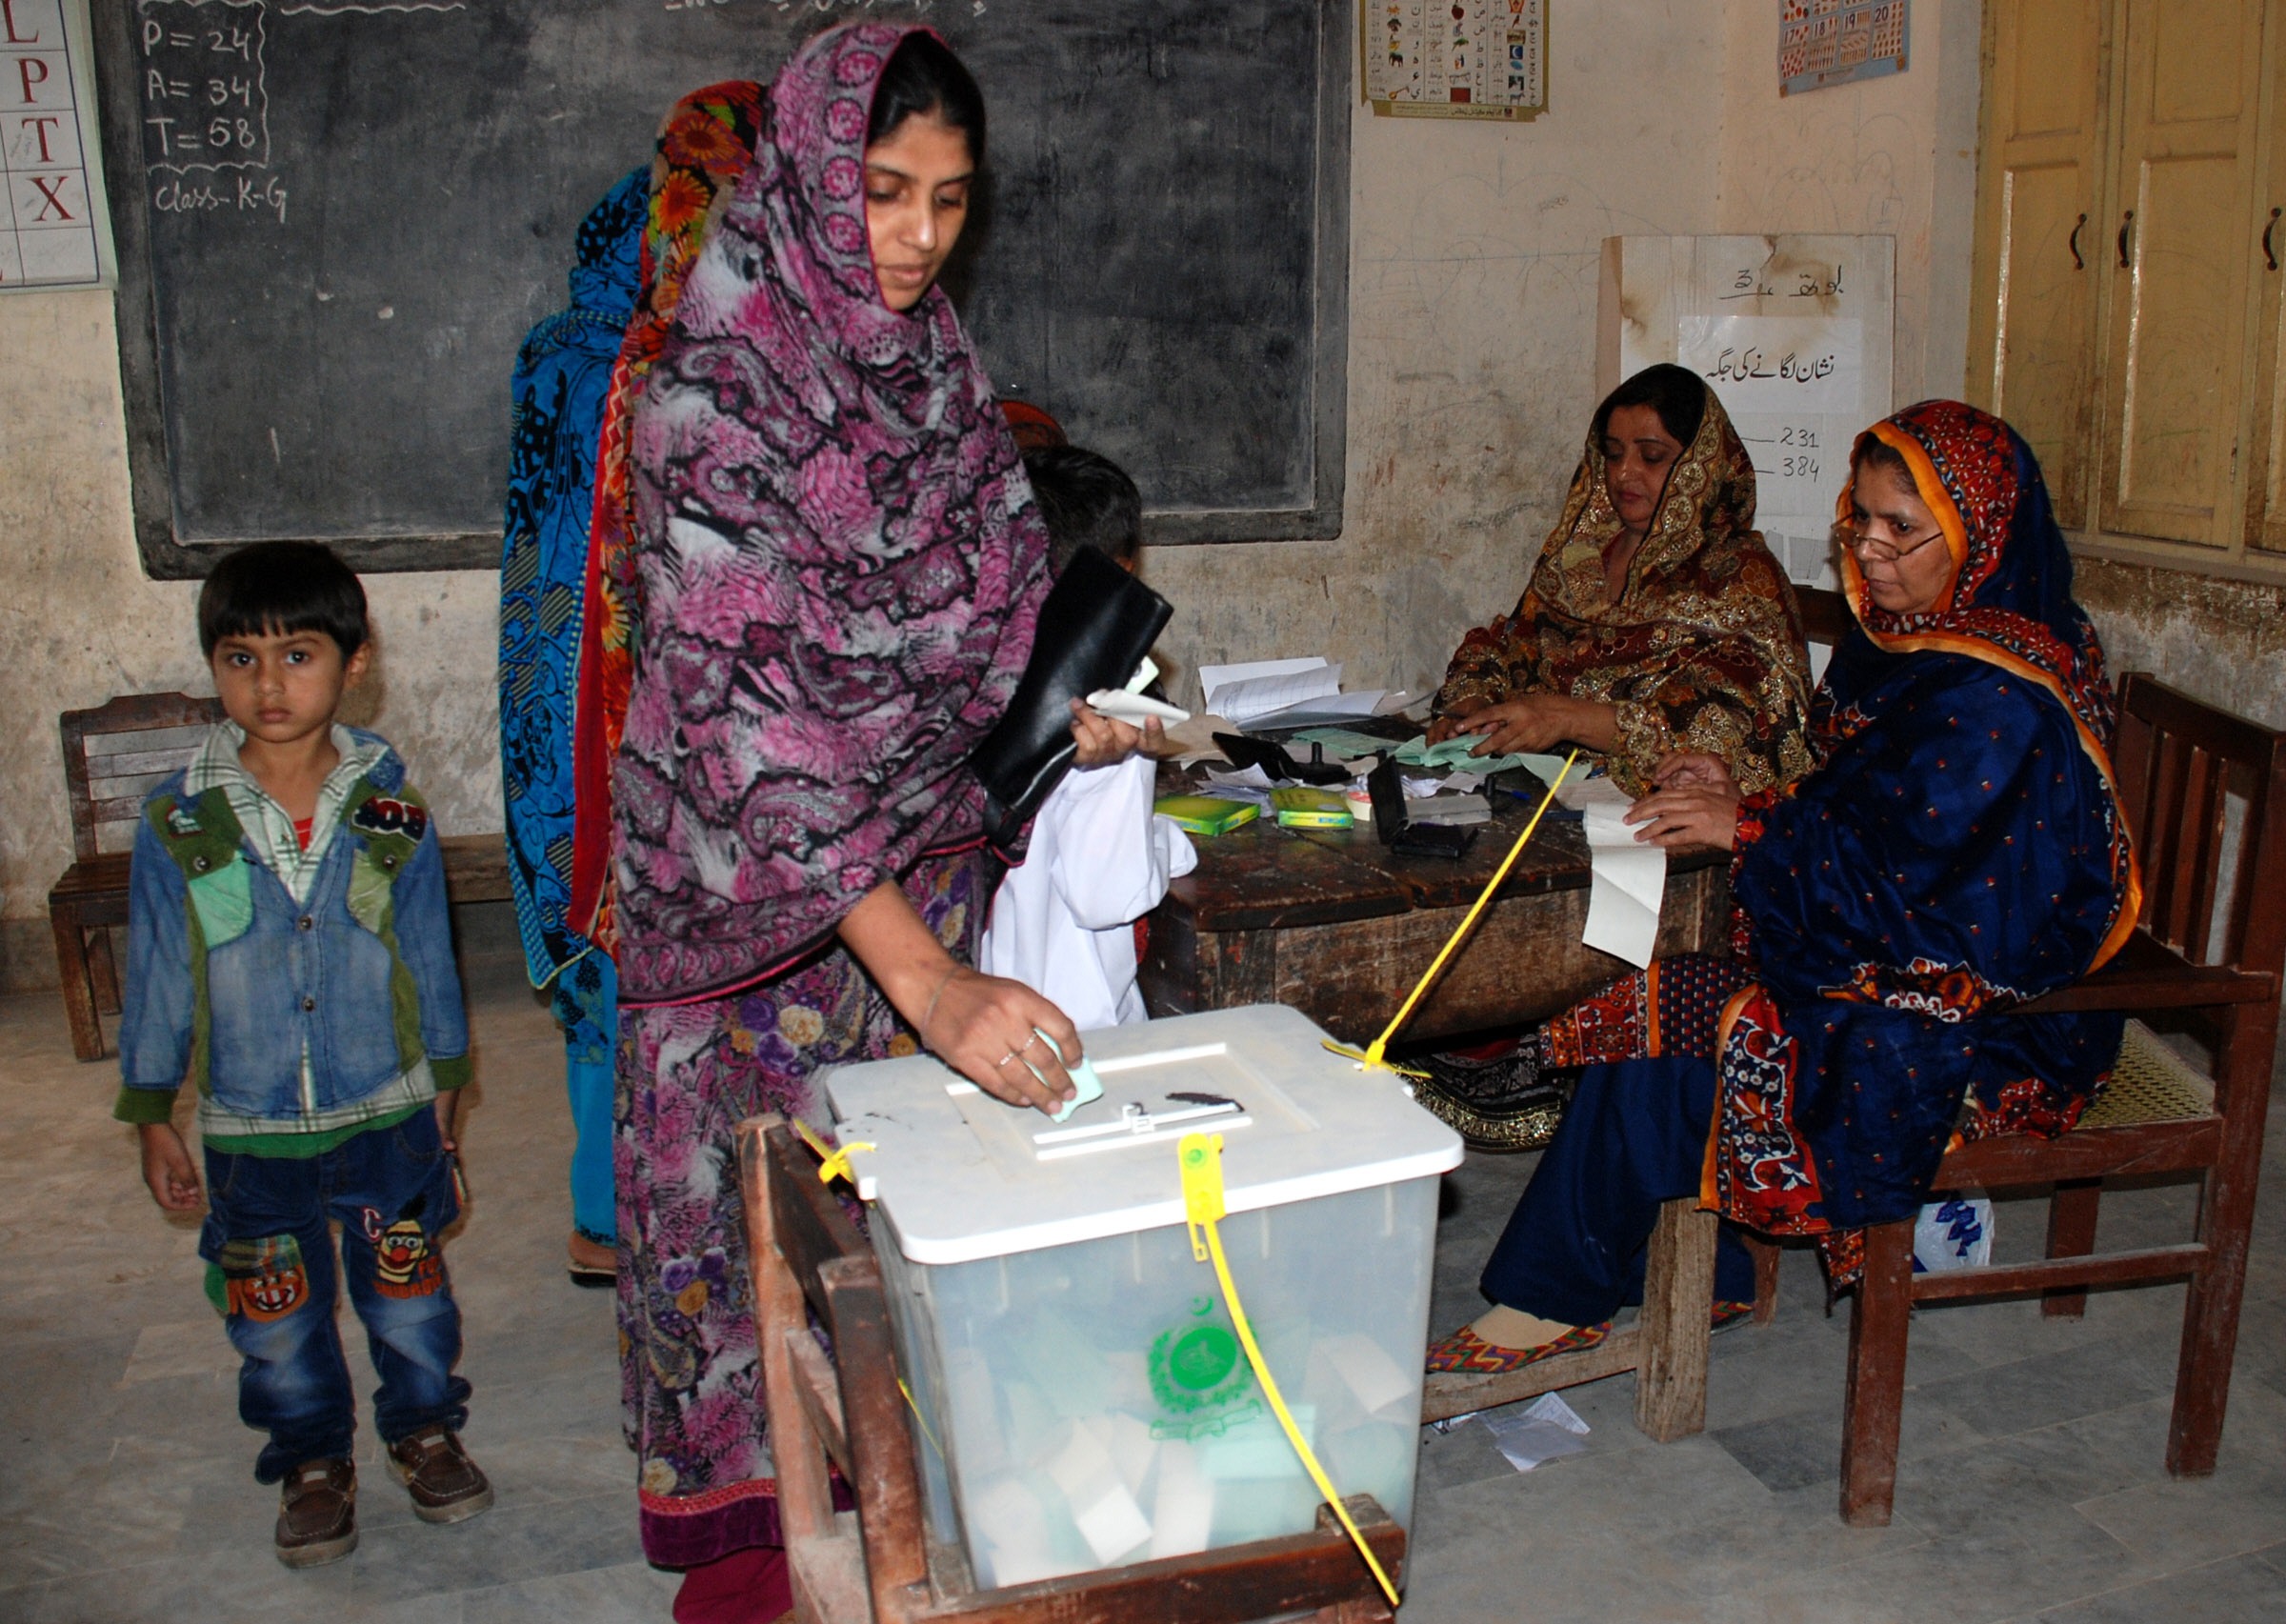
1095, 627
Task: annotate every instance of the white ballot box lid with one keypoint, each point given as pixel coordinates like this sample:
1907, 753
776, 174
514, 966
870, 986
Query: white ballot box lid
963, 1176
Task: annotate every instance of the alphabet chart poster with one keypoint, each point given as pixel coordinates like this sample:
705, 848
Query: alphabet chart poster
55, 232
1455, 58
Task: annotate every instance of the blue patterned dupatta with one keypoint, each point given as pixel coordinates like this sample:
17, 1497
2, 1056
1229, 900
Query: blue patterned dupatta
1959, 850
563, 372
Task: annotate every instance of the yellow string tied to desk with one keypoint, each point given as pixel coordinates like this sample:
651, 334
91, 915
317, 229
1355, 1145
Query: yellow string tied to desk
1373, 1056
1200, 1156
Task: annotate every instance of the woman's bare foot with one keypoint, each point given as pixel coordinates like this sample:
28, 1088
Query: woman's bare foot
1505, 1326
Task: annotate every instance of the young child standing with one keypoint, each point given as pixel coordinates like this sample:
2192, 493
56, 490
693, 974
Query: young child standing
288, 952
1063, 922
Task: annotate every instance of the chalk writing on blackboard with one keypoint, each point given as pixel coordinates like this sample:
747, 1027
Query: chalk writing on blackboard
205, 105
374, 9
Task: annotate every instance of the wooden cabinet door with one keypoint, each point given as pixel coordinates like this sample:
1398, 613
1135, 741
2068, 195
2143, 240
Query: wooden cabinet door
2032, 335
2177, 251
2266, 439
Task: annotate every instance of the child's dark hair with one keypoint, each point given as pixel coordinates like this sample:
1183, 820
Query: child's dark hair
278, 588
923, 76
1676, 393
1088, 501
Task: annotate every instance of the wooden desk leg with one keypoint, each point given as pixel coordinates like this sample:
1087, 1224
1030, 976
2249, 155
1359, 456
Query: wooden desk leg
79, 992
1765, 1253
1678, 1292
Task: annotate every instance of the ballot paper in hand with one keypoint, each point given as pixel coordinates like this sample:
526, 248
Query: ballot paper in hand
1628, 877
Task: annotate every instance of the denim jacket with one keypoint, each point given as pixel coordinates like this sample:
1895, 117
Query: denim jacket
232, 983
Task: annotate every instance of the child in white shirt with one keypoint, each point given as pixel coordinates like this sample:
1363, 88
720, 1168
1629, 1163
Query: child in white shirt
1063, 922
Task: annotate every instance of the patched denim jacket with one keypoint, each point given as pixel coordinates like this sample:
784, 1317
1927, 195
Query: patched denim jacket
228, 980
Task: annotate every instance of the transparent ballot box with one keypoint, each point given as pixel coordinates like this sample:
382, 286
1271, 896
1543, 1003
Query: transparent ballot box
1079, 1397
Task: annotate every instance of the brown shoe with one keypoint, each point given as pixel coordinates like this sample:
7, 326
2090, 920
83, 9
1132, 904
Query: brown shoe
317, 1514
446, 1485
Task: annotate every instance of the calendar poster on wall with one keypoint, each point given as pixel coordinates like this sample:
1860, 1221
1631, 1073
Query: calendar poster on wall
1823, 43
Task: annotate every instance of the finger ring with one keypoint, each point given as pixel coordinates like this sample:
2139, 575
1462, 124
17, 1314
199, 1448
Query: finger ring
1004, 1059
1035, 1037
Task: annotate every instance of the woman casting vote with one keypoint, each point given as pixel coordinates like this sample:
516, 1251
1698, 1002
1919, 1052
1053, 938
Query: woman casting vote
1655, 620
1957, 850
836, 564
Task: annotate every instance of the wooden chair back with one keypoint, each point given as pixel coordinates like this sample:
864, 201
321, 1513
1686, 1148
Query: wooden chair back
2181, 764
117, 753
877, 1565
2210, 941
1825, 614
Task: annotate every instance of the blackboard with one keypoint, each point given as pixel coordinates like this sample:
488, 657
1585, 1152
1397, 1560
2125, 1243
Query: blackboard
336, 218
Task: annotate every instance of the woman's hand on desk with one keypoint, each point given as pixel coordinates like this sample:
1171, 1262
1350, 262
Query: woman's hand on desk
1695, 802
1102, 740
1539, 722
1448, 723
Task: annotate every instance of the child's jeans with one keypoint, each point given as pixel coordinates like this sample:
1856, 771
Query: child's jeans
391, 1189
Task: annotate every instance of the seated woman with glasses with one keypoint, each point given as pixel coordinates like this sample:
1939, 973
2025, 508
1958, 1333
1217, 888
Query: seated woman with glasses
1957, 850
1655, 620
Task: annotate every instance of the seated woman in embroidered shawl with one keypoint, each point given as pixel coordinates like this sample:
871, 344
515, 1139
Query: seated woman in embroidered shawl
1655, 620
1957, 849
835, 564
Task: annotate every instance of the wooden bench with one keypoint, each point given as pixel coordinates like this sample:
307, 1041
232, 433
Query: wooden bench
114, 756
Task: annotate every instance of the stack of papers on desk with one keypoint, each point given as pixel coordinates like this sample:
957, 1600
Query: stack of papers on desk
1419, 752
1257, 692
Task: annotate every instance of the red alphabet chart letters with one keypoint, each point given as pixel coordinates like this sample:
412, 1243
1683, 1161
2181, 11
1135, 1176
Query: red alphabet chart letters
53, 232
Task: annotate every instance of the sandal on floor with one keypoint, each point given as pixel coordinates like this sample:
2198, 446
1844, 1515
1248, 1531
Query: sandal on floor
1464, 1352
587, 1269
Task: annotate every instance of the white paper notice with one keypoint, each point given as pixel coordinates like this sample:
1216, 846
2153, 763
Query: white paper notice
1776, 364
1257, 688
1627, 880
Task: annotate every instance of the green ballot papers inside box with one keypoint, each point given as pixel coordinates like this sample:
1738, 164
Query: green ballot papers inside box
1081, 1398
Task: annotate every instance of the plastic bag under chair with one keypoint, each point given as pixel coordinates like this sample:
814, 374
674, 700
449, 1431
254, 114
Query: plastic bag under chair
1952, 1233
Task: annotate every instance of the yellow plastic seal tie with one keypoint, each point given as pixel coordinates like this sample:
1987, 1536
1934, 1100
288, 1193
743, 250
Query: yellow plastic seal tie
1200, 1156
1371, 1057
835, 1163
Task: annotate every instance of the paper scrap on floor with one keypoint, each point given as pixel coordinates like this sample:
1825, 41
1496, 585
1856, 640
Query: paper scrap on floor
1627, 877
1540, 1430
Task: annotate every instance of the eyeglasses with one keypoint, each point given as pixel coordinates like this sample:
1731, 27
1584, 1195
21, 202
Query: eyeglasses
1879, 550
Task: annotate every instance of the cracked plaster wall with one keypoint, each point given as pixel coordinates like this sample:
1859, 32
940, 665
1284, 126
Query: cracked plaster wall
1474, 260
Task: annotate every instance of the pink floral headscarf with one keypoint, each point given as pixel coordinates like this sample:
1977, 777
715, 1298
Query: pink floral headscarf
840, 565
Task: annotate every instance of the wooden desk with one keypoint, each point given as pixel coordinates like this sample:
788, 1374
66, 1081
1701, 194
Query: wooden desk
1333, 924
